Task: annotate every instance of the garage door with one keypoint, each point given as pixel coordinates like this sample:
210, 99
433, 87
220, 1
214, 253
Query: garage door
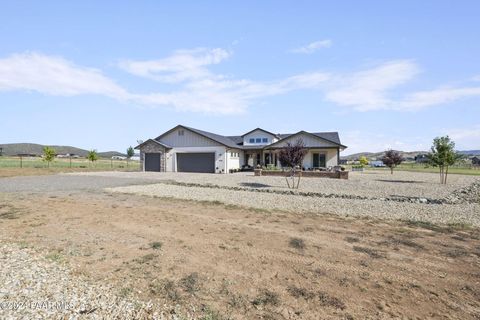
196, 162
152, 162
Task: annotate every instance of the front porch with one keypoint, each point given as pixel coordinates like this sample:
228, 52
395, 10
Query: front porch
315, 158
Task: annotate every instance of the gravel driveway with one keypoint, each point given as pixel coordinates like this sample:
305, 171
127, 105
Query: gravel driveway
64, 182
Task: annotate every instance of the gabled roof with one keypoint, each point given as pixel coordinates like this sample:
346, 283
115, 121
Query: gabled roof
331, 137
236, 142
212, 136
273, 134
155, 141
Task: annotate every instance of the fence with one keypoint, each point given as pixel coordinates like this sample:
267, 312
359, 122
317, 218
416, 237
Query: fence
37, 162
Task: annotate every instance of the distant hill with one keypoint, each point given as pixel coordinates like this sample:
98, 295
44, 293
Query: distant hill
405, 154
12, 149
470, 152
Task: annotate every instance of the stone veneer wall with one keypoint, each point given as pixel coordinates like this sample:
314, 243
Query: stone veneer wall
308, 174
152, 147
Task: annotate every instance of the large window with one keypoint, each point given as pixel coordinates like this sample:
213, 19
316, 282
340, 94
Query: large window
319, 160
258, 140
265, 140
251, 140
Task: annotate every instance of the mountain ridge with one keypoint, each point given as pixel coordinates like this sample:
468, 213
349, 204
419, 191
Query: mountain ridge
13, 149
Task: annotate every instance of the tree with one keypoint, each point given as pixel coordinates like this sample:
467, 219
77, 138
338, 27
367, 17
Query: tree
443, 155
48, 155
92, 156
363, 161
130, 153
392, 159
291, 156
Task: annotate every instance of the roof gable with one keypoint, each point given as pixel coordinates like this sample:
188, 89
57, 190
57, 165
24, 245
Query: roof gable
309, 140
260, 129
211, 136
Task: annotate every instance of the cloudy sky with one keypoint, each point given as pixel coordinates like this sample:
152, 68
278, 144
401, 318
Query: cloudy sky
104, 74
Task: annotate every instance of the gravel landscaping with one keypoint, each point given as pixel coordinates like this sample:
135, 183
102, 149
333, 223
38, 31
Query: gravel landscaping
376, 184
37, 285
465, 213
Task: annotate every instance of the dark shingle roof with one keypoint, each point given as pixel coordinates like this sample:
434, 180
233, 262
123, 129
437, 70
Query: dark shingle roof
237, 141
330, 136
216, 137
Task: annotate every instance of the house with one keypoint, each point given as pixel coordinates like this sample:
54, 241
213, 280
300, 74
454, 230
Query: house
421, 158
476, 161
185, 149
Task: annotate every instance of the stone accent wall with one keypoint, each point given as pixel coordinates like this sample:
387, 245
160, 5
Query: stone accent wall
152, 147
308, 174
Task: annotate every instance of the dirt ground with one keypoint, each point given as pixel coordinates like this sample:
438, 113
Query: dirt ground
226, 262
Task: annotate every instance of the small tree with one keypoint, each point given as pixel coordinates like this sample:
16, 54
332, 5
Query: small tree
443, 155
92, 156
48, 155
130, 153
392, 159
291, 156
363, 161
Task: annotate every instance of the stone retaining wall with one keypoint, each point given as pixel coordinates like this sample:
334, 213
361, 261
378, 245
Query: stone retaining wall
308, 174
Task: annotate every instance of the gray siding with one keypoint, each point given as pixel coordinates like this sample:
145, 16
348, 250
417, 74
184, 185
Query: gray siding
310, 141
188, 139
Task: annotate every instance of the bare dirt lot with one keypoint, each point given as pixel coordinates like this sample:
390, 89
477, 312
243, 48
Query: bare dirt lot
207, 259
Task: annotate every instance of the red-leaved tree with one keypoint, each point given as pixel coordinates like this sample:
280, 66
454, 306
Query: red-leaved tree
291, 156
392, 159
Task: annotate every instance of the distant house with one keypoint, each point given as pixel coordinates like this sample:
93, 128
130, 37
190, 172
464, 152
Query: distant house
377, 164
421, 158
476, 161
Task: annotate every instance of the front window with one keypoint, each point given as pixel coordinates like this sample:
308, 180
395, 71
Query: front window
265, 140
258, 140
252, 140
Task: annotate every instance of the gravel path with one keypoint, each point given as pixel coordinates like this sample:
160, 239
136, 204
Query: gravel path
440, 214
32, 287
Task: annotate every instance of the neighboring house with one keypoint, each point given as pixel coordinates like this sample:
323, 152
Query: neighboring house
184, 149
421, 158
476, 161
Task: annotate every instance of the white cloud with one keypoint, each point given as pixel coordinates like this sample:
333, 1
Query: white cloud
54, 76
198, 88
312, 47
372, 89
465, 138
367, 90
182, 65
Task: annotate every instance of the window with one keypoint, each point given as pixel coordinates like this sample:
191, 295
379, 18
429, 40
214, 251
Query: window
181, 132
265, 140
258, 140
234, 154
251, 140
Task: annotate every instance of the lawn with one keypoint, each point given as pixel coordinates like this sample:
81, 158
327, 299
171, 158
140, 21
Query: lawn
14, 166
417, 167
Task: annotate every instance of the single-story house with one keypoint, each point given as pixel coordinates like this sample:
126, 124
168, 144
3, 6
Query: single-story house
185, 149
476, 161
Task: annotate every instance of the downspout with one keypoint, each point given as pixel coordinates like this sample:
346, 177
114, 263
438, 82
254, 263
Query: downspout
226, 161
338, 156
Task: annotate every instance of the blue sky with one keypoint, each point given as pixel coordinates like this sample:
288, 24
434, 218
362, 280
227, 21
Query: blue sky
103, 74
